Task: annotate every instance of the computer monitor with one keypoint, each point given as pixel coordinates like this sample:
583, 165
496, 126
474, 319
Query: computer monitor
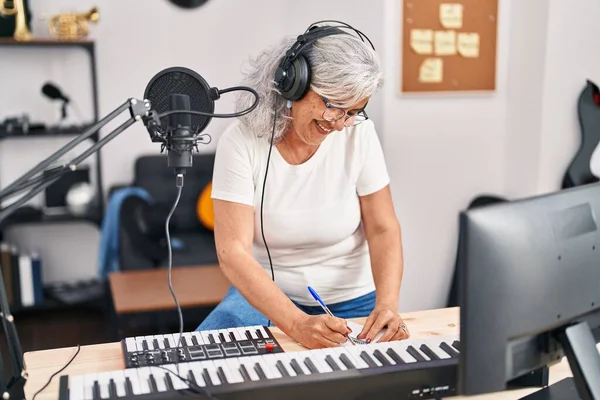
529, 292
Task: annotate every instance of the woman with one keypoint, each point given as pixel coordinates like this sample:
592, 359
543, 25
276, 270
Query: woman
327, 214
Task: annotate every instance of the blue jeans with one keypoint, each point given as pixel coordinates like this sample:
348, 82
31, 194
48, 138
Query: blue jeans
234, 311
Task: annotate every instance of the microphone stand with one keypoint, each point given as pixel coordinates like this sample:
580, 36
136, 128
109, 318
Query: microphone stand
138, 110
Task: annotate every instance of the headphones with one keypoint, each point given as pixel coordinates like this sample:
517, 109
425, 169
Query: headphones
293, 75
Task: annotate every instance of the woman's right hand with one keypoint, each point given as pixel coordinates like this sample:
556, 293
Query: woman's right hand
319, 331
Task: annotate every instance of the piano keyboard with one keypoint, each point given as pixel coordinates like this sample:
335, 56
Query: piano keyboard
413, 368
143, 351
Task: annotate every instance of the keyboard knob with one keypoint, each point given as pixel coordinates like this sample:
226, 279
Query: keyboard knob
164, 355
181, 354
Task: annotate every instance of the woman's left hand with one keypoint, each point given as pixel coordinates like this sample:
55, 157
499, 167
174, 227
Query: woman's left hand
384, 317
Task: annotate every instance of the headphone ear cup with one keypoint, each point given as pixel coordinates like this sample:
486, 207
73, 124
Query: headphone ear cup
298, 75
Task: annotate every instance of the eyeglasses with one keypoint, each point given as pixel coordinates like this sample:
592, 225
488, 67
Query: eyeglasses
333, 114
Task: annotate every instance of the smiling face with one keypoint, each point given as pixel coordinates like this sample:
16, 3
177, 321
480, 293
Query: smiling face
308, 124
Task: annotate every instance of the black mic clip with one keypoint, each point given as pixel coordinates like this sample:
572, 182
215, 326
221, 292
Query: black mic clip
152, 122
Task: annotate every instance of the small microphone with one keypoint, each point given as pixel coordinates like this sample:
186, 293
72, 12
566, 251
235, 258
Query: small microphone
181, 143
53, 92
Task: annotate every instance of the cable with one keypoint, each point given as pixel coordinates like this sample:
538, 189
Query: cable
57, 372
194, 387
179, 185
262, 198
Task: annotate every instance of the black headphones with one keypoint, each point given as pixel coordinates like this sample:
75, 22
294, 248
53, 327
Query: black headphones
293, 74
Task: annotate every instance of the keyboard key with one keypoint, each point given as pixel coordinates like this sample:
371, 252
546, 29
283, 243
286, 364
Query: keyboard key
367, 358
394, 356
382, 359
259, 371
415, 353
456, 345
329, 360
428, 352
449, 350
245, 373
311, 366
281, 368
347, 362
296, 367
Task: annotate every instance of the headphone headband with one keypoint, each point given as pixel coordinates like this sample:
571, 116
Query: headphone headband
293, 74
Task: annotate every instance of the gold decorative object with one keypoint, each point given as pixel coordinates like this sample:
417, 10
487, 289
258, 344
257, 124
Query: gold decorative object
70, 26
22, 32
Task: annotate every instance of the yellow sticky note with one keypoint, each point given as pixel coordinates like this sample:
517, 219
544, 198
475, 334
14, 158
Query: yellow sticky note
451, 15
431, 70
445, 43
421, 41
468, 44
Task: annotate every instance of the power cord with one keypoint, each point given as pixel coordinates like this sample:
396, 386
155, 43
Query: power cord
57, 372
262, 198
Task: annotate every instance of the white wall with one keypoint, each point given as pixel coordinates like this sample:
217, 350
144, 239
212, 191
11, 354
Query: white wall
442, 149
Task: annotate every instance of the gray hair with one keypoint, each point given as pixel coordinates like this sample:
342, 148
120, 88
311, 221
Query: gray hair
345, 70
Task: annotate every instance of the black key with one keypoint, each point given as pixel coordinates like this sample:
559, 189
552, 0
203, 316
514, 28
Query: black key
381, 357
259, 371
222, 337
244, 373
195, 341
415, 353
331, 362
211, 339
128, 387
206, 377
248, 335
430, 353
395, 356
311, 366
297, 368
169, 382
259, 334
221, 375
167, 345
152, 383
96, 391
184, 341
456, 345
370, 362
144, 345
112, 389
232, 337
281, 368
449, 350
192, 377
344, 359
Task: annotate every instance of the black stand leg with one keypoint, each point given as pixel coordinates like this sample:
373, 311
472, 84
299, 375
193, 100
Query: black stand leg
580, 349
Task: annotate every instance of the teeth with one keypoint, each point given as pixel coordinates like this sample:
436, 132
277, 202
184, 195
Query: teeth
322, 127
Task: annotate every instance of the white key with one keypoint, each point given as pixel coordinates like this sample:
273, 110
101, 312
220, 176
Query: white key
139, 342
355, 351
225, 335
212, 371
400, 348
299, 357
77, 387
434, 344
234, 367
318, 359
170, 340
196, 369
215, 335
263, 332
198, 337
130, 345
285, 360
267, 368
161, 341
103, 379
188, 338
133, 376
175, 375
242, 333
159, 377
119, 378
358, 362
272, 363
249, 364
88, 382
236, 334
252, 330
149, 342
382, 347
144, 374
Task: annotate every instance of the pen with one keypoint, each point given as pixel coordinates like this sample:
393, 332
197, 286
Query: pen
326, 309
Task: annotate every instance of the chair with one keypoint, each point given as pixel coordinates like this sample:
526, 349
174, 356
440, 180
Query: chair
142, 236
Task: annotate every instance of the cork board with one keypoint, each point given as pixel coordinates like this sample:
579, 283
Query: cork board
449, 45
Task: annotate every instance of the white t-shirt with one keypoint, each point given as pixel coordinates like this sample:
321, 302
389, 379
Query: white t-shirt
311, 212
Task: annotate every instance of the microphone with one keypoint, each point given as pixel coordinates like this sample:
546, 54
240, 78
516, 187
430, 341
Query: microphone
189, 101
179, 153
53, 92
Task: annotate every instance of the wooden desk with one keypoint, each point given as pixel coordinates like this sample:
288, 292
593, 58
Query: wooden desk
148, 290
106, 357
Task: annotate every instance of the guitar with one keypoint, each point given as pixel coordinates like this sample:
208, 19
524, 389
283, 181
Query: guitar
585, 165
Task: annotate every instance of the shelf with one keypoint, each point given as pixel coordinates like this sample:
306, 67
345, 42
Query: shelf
89, 44
49, 132
30, 215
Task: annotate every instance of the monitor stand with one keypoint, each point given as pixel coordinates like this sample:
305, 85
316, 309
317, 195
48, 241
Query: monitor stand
580, 349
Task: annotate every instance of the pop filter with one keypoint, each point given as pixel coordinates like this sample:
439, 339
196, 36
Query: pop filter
180, 81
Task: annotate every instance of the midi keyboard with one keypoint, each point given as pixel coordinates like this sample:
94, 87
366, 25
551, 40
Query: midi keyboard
407, 369
140, 351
